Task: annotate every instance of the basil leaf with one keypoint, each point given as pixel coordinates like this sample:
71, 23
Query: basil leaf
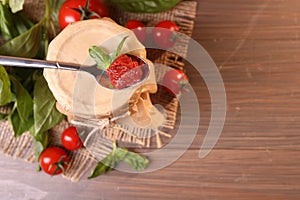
4, 2
25, 45
13, 96
55, 6
3, 116
22, 23
117, 52
38, 148
144, 6
12, 25
7, 24
42, 138
23, 100
45, 113
5, 92
136, 161
101, 58
16, 5
25, 76
41, 142
106, 165
19, 126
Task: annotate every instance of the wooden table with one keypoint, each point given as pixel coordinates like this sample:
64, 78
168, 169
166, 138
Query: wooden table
256, 46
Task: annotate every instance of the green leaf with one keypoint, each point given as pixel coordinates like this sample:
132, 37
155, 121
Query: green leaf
4, 2
25, 45
12, 25
117, 52
38, 148
5, 92
13, 96
101, 58
7, 28
42, 138
23, 100
22, 23
19, 126
55, 6
136, 161
144, 6
3, 116
16, 5
41, 142
106, 165
45, 113
25, 76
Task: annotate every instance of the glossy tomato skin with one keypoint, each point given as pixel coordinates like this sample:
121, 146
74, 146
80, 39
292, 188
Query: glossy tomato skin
68, 15
138, 28
165, 34
51, 157
174, 81
70, 139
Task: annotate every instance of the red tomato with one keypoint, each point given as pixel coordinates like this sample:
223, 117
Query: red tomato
165, 34
74, 10
53, 160
138, 28
70, 139
174, 81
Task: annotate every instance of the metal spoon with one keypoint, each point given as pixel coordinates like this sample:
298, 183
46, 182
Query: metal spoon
99, 74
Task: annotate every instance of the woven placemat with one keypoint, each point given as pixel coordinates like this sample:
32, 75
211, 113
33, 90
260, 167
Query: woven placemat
81, 161
183, 14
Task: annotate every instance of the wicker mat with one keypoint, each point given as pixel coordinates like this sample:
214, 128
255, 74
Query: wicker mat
81, 161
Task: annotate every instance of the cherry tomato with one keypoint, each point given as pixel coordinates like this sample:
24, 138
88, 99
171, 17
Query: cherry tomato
53, 160
174, 81
70, 139
138, 28
165, 34
74, 10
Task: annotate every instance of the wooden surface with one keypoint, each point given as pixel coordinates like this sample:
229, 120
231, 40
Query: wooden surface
255, 44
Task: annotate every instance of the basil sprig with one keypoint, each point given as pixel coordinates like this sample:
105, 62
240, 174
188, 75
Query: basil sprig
24, 45
144, 6
45, 114
33, 105
24, 38
104, 59
12, 24
26, 90
118, 154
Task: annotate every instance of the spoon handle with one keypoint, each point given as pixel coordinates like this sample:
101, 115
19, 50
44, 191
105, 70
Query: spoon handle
35, 63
